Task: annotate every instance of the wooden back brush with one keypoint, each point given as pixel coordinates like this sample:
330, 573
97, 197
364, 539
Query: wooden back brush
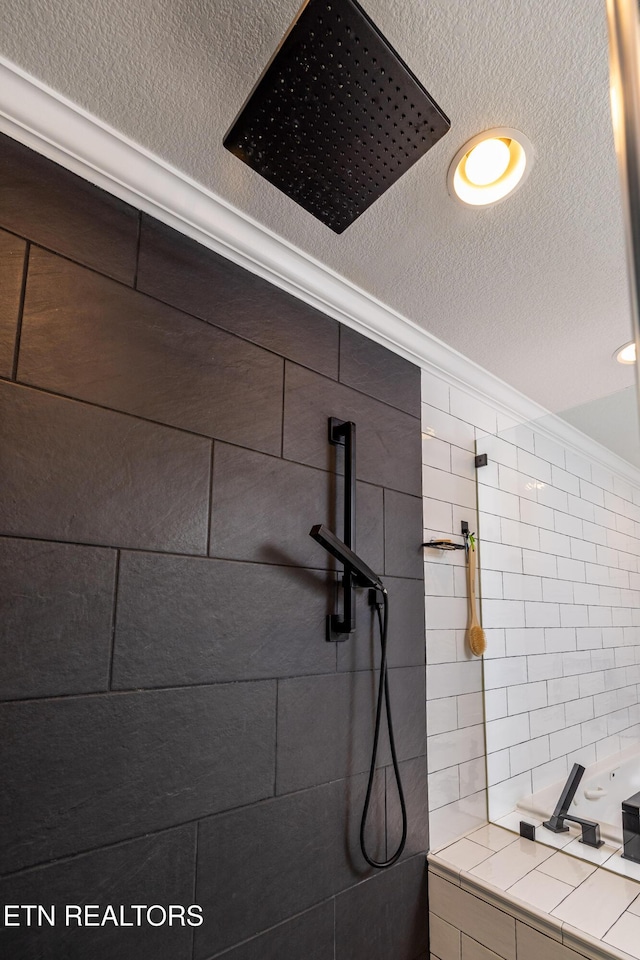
475, 634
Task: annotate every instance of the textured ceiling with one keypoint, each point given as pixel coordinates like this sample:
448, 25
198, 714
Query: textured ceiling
533, 289
612, 421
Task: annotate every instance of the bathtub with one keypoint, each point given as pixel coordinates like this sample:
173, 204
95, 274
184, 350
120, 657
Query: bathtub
599, 797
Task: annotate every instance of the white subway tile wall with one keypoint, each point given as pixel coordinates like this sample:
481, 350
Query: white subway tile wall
560, 585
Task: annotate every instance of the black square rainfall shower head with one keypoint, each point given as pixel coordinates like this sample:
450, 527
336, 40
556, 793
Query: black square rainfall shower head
336, 117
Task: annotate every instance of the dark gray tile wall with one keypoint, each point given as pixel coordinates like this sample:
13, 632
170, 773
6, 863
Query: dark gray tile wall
264, 507
151, 870
412, 773
12, 257
382, 918
53, 207
183, 620
174, 728
338, 743
403, 554
86, 336
226, 295
369, 367
309, 936
388, 440
83, 474
56, 618
94, 770
288, 854
406, 629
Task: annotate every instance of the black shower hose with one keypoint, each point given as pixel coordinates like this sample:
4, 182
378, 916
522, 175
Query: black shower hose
383, 691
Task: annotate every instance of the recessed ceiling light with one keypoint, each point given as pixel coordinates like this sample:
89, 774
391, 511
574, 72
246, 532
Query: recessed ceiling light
626, 353
490, 166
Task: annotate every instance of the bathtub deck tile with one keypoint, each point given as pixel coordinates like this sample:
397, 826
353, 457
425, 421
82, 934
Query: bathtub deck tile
541, 890
597, 903
512, 821
594, 911
597, 855
512, 863
493, 837
627, 868
625, 934
560, 841
568, 869
465, 854
540, 920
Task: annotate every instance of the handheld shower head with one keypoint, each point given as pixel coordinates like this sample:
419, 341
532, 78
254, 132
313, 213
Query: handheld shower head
363, 574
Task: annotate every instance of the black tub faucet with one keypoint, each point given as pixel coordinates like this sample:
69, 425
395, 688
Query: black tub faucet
631, 828
590, 829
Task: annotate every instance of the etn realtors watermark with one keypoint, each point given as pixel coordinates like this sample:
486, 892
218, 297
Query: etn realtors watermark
94, 915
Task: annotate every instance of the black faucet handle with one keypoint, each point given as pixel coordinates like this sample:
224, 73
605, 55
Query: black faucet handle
590, 831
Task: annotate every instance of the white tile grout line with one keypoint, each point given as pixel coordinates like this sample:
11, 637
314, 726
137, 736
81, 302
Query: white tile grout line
531, 911
535, 870
601, 543
471, 880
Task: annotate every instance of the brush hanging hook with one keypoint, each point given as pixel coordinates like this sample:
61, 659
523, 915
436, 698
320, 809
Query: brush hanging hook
446, 544
469, 541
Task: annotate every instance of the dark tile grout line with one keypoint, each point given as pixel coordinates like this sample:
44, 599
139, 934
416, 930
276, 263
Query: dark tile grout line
243, 807
195, 885
126, 413
210, 499
23, 293
561, 703
275, 739
333, 898
386, 812
334, 927
281, 923
70, 857
134, 284
384, 538
284, 403
202, 436
532, 769
210, 323
556, 850
537, 576
116, 584
519, 497
203, 684
517, 470
188, 556
548, 553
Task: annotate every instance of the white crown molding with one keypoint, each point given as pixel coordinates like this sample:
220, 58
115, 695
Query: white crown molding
47, 122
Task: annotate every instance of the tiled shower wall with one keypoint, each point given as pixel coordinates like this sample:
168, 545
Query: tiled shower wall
451, 422
175, 727
560, 556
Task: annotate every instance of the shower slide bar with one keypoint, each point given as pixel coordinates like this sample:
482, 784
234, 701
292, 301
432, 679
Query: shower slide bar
343, 433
